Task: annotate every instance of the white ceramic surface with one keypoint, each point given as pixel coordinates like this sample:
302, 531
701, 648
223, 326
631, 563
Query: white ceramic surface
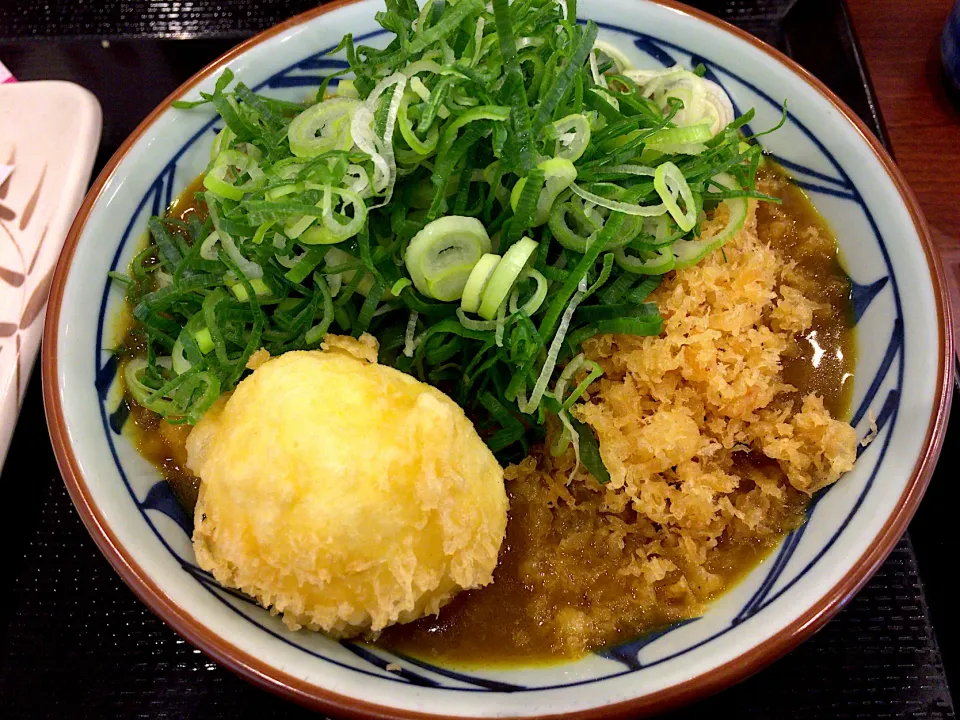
900, 381
49, 132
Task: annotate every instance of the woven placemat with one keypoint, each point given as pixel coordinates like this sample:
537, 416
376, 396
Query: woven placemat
215, 18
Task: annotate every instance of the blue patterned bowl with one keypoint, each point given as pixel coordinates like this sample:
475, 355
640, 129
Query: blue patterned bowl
903, 380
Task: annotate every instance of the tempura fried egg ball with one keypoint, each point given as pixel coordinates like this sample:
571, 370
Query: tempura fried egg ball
344, 494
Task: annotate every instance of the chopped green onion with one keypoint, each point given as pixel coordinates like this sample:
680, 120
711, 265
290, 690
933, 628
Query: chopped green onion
669, 183
474, 131
399, 286
690, 252
680, 136
554, 351
259, 287
627, 208
472, 324
661, 261
477, 282
204, 341
559, 174
533, 303
233, 164
409, 343
441, 256
589, 454
573, 136
501, 282
323, 127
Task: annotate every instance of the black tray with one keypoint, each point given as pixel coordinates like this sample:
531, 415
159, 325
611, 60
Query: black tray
76, 643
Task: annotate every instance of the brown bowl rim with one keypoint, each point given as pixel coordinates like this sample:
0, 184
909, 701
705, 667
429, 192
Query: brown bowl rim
319, 698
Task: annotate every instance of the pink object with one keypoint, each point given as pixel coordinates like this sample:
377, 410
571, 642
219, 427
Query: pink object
49, 133
5, 75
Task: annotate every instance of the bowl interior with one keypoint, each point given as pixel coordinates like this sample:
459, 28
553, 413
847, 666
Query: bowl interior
899, 377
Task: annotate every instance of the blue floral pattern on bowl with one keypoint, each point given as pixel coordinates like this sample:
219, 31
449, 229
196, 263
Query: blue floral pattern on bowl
780, 574
898, 385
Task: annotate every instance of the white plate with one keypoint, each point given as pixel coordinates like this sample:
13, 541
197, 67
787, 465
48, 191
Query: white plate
49, 132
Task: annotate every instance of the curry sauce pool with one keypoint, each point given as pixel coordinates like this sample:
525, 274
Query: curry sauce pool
568, 579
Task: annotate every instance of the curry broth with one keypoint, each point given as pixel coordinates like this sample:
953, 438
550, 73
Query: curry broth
508, 623
825, 355
505, 622
158, 441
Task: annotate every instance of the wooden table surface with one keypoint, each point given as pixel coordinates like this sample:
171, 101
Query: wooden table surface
901, 45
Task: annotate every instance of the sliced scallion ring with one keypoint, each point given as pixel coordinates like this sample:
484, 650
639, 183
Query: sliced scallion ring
180, 362
423, 148
208, 248
361, 180
144, 394
229, 166
569, 237
572, 239
662, 261
534, 302
306, 231
222, 142
440, 257
573, 136
471, 324
339, 230
690, 252
559, 174
625, 208
620, 60
719, 108
477, 282
511, 265
670, 183
379, 148
323, 127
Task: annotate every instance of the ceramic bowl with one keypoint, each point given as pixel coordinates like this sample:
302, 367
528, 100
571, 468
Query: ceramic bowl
902, 383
